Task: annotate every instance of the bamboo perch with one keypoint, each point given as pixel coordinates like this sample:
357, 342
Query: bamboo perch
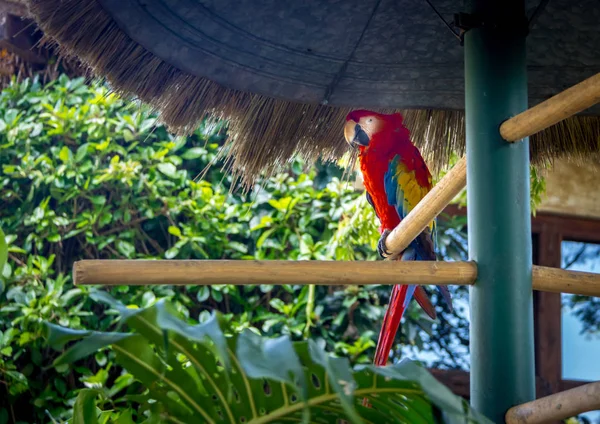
557, 406
345, 273
558, 280
239, 272
428, 208
565, 104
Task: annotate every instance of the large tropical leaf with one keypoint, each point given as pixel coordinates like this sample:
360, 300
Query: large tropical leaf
197, 375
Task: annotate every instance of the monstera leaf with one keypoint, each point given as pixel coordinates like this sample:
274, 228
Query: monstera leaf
197, 374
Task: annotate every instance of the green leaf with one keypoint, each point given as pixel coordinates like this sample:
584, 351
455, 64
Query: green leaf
82, 152
172, 252
98, 200
174, 231
271, 380
125, 417
193, 153
208, 330
168, 169
57, 336
89, 345
65, 154
124, 311
203, 293
271, 358
125, 248
54, 238
84, 410
339, 374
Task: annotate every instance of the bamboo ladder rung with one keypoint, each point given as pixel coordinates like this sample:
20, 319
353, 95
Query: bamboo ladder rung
241, 272
564, 105
344, 273
556, 280
557, 406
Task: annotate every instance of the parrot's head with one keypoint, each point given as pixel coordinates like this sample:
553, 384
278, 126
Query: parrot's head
364, 128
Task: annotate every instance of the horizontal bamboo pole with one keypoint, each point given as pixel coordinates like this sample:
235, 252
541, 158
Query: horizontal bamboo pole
239, 272
345, 273
557, 406
558, 280
428, 208
565, 104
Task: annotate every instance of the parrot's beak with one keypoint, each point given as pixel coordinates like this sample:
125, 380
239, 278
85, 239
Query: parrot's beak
355, 135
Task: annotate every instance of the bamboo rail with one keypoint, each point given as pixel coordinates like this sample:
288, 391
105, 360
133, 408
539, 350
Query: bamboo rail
565, 104
558, 280
240, 272
557, 406
428, 208
344, 273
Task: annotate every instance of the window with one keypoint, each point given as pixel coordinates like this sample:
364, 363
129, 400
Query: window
581, 319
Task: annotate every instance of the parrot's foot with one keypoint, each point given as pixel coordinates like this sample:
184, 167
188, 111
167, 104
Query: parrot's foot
381, 248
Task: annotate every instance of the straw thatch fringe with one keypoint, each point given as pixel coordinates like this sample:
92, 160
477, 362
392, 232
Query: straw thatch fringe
265, 132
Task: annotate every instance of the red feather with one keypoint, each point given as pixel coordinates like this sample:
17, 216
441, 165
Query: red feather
392, 140
391, 322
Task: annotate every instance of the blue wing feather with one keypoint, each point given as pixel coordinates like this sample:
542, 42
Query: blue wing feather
424, 246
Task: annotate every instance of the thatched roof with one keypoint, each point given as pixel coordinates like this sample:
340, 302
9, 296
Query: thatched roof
285, 75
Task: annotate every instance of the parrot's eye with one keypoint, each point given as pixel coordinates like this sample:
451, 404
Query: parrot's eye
370, 120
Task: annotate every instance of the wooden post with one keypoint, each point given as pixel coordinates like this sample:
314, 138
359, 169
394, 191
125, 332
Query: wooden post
428, 208
238, 272
571, 101
556, 407
547, 315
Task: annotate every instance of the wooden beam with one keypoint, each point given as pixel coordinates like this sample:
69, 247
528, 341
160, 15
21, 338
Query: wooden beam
240, 272
455, 380
558, 280
571, 101
557, 407
428, 208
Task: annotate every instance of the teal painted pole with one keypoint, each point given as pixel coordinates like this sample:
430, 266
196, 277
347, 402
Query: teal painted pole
502, 352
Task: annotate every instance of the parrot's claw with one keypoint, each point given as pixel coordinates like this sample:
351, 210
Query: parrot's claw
381, 248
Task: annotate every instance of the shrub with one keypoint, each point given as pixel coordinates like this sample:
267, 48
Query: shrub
86, 175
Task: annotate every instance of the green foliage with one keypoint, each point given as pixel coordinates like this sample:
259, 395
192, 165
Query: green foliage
86, 175
3, 255
199, 375
538, 188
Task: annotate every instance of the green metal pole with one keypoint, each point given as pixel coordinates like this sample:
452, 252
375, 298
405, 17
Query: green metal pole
502, 353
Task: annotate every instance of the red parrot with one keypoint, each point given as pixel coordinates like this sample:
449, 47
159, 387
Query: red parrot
396, 178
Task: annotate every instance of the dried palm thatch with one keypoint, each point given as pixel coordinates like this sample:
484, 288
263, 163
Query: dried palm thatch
265, 132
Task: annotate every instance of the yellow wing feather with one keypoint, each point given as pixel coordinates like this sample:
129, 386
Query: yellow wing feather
413, 192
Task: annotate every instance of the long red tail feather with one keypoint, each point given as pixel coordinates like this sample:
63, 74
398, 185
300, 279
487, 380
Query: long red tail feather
391, 322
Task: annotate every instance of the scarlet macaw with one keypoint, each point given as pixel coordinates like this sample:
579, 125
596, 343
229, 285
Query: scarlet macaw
396, 178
